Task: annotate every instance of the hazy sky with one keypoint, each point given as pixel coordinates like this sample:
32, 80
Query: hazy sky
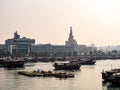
49, 21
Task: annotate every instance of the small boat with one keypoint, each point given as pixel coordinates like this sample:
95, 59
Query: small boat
112, 76
12, 62
88, 62
71, 65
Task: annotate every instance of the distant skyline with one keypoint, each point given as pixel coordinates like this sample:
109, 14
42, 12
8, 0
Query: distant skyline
49, 21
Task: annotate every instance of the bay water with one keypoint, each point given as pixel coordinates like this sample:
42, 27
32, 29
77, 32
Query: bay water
87, 78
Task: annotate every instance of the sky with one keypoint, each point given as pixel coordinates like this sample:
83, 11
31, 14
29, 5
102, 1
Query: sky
49, 21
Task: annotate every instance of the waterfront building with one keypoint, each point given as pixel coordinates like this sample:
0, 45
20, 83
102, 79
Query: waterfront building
52, 49
80, 49
63, 49
19, 45
3, 47
72, 42
83, 49
41, 48
70, 46
26, 45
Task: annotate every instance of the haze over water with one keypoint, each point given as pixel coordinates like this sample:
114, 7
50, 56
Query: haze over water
88, 78
48, 21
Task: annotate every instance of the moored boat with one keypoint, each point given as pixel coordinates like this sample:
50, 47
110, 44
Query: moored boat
88, 62
116, 79
12, 62
71, 65
112, 76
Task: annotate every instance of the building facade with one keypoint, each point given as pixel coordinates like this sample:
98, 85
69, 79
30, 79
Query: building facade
70, 46
42, 48
19, 45
83, 49
62, 49
3, 47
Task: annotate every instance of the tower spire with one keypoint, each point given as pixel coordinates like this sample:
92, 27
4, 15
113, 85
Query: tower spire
71, 30
71, 40
70, 35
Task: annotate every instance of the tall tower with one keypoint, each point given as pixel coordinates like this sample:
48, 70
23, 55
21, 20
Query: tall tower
71, 40
70, 35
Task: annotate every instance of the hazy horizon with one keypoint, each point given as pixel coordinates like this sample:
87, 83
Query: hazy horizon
49, 21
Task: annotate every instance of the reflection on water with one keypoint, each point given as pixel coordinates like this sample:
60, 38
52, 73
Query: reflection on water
87, 78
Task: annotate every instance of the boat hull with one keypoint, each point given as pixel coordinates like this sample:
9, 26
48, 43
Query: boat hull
112, 76
67, 66
91, 62
12, 63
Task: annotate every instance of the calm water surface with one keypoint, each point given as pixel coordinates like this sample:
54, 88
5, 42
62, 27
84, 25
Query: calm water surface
88, 78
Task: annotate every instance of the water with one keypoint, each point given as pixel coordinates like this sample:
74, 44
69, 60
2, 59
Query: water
88, 78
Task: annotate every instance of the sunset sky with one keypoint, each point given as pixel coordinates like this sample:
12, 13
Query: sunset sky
49, 21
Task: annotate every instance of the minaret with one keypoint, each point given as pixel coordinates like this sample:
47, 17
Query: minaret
70, 35
71, 40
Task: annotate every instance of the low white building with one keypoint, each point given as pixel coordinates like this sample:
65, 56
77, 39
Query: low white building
63, 48
42, 48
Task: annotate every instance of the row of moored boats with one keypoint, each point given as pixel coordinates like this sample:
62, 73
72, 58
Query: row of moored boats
66, 65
